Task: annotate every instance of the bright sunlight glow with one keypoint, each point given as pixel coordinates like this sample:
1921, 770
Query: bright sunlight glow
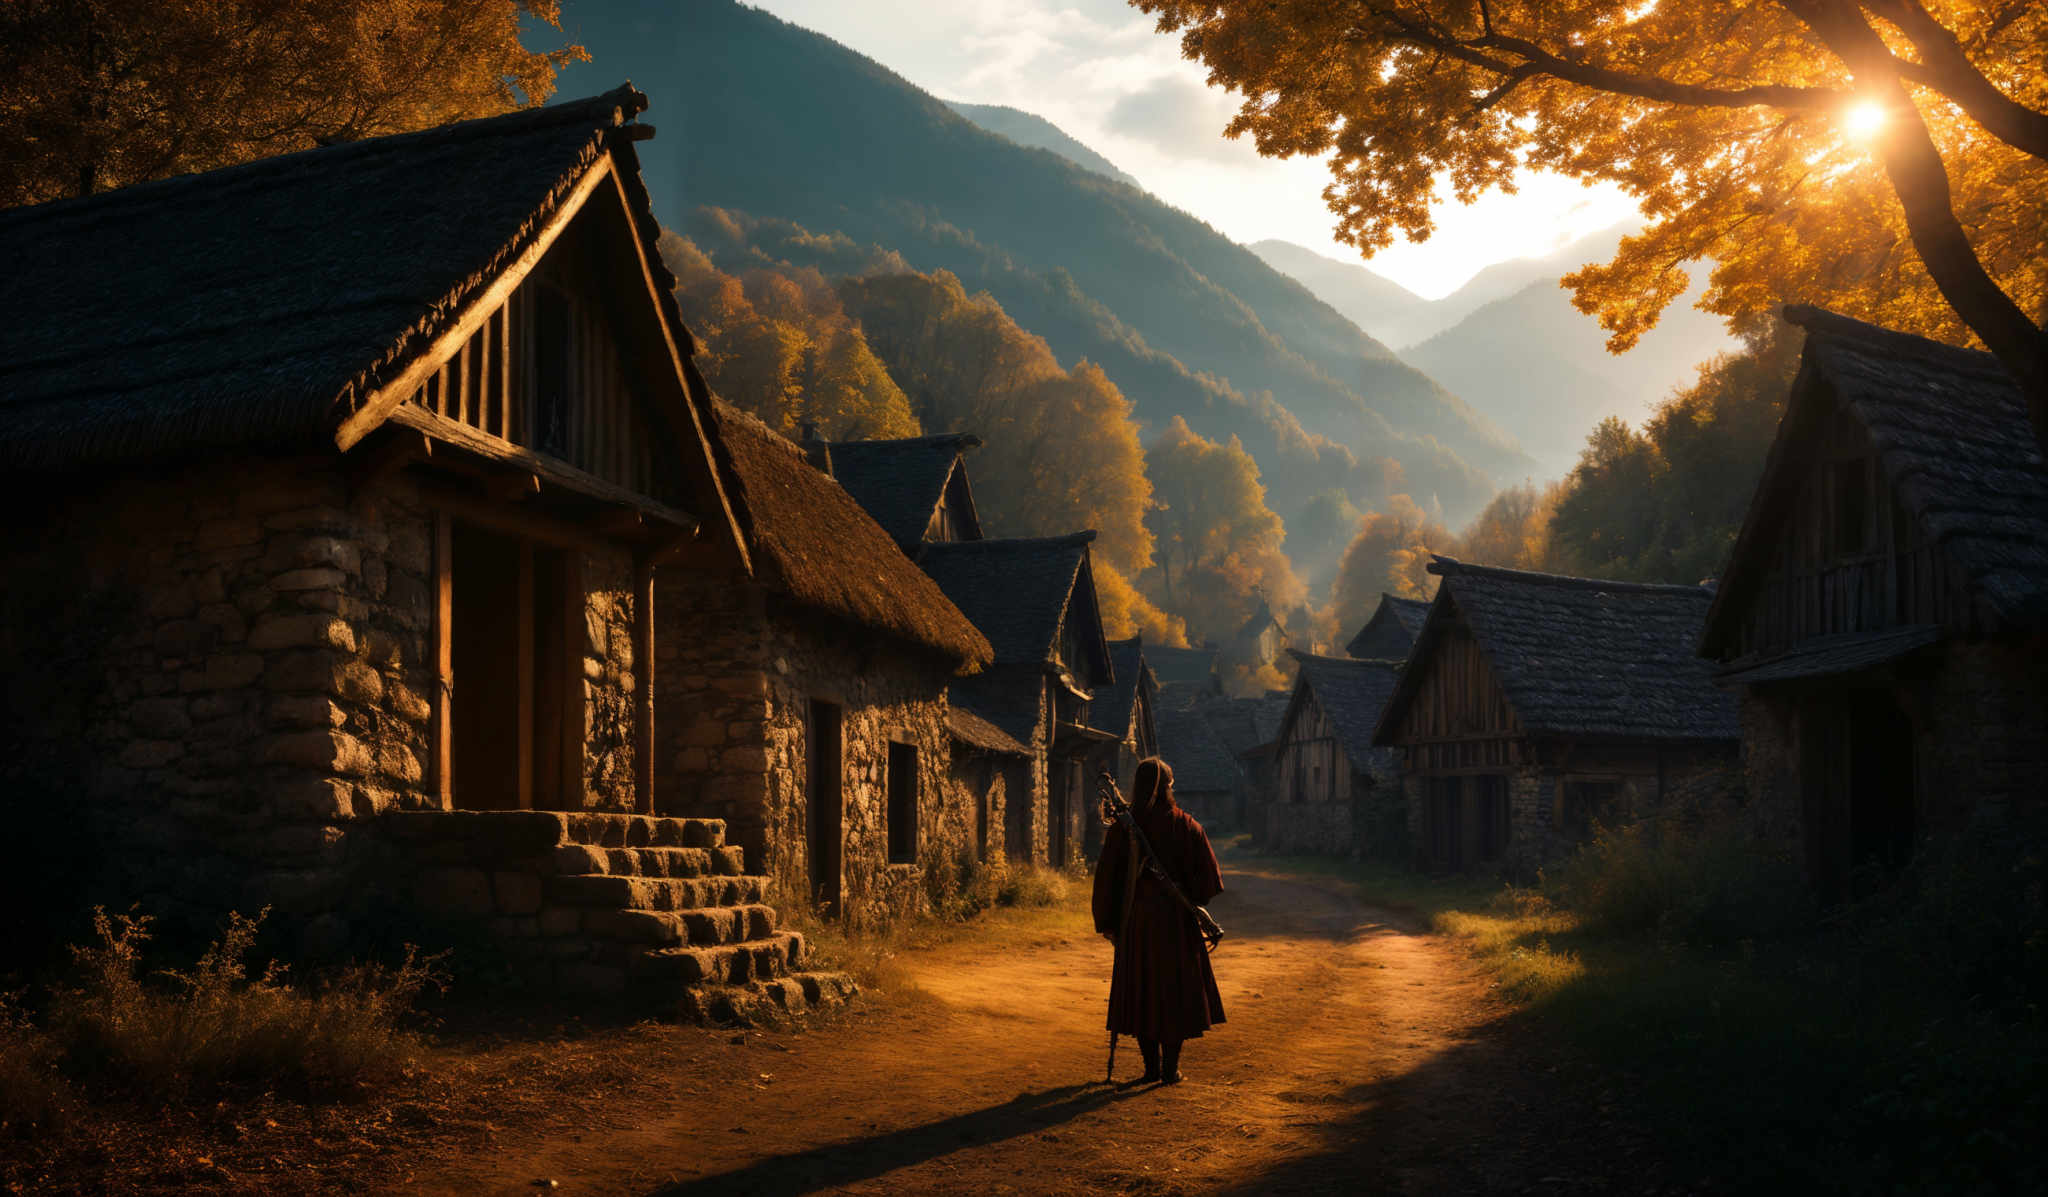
1864, 119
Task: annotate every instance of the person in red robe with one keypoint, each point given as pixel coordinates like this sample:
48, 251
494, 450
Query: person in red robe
1161, 989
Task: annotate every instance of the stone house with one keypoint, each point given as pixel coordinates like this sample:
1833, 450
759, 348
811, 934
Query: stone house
1186, 675
1882, 613
816, 690
1390, 631
343, 479
1334, 792
989, 765
1034, 598
1535, 706
1124, 712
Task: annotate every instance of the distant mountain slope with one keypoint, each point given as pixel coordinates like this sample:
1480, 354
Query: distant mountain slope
1388, 311
1035, 131
1541, 368
763, 118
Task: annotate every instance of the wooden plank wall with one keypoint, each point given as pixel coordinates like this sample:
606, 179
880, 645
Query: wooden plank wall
493, 383
1844, 564
1311, 764
1459, 717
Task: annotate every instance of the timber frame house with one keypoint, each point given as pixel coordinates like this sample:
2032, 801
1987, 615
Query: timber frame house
1535, 706
1332, 791
1883, 612
1390, 631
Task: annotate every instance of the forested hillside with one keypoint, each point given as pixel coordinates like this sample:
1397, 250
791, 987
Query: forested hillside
1037, 132
771, 121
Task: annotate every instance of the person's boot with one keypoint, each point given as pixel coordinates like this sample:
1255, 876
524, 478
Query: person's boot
1169, 1062
1149, 1050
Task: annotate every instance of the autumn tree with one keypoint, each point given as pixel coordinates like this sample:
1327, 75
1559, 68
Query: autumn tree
1217, 544
103, 93
1389, 554
1126, 612
1514, 529
778, 343
1803, 145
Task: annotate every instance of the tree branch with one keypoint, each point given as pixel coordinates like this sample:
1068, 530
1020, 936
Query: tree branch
1531, 60
1946, 67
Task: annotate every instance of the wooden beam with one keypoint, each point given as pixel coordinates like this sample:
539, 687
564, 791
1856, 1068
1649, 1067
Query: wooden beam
643, 687
511, 488
524, 670
620, 523
574, 712
444, 660
474, 508
550, 470
380, 403
371, 463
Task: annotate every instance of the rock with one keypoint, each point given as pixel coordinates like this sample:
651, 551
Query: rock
334, 751
309, 579
228, 672
462, 892
306, 710
309, 630
516, 893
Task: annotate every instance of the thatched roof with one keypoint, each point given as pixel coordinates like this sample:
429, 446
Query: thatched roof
1020, 591
812, 540
1353, 694
1391, 631
1201, 760
972, 730
1008, 697
255, 307
1111, 709
1954, 443
900, 482
1579, 656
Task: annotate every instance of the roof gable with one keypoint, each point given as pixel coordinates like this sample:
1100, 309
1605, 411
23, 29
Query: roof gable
902, 482
812, 540
1019, 591
1115, 709
1950, 431
1579, 656
1352, 695
1391, 630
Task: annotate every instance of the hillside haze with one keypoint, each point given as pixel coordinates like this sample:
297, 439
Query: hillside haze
764, 119
1039, 133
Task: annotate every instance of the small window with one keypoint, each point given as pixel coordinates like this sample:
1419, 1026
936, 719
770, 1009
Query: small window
902, 803
553, 324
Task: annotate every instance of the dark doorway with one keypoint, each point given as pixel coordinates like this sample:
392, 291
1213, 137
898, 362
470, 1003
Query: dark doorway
1857, 773
1066, 775
825, 806
1465, 820
485, 705
1017, 814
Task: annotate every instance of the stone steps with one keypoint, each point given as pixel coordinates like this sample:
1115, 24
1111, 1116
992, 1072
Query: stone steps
711, 926
585, 860
767, 1001
656, 893
765, 959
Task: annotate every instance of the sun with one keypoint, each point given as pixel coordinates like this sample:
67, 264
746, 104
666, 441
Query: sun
1864, 119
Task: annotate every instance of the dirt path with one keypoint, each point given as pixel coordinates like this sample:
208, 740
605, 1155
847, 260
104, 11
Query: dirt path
1358, 1056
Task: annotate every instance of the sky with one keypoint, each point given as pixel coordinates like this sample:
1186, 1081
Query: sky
1098, 70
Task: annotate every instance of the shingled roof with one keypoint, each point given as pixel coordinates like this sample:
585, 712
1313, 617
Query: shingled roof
1174, 665
259, 305
1953, 440
810, 537
1580, 656
1395, 622
900, 482
1018, 590
1201, 761
1352, 694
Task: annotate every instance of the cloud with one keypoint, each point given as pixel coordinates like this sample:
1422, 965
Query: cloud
1181, 118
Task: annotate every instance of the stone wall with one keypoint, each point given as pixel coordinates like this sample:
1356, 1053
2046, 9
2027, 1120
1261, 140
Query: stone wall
226, 673
609, 681
739, 669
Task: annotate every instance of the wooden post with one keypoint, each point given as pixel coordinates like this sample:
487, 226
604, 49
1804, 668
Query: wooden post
575, 703
643, 689
444, 660
524, 652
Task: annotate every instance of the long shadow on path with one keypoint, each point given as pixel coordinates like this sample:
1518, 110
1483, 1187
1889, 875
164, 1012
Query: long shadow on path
866, 1158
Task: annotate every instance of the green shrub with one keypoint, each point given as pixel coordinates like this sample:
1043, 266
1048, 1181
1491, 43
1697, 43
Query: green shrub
188, 1033
1714, 886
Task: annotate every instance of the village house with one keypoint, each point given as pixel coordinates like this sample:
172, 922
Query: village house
1123, 712
343, 480
1534, 707
1391, 630
816, 688
1335, 793
1186, 675
1034, 598
1206, 780
1882, 613
1252, 649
